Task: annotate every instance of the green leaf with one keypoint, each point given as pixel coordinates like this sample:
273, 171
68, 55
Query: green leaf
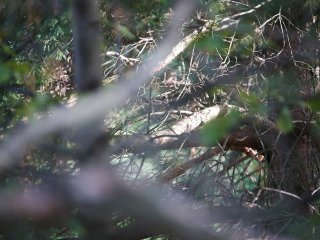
314, 103
219, 127
210, 43
4, 73
126, 32
253, 101
284, 121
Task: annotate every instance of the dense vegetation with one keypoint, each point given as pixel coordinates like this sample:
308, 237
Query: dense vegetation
159, 119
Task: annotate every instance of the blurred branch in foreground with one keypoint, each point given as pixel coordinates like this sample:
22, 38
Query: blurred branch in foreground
159, 120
